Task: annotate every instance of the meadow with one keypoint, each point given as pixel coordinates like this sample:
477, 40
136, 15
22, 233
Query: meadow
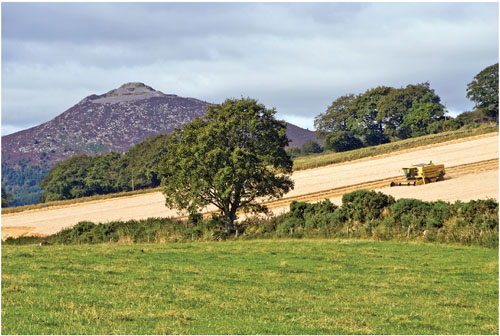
274, 286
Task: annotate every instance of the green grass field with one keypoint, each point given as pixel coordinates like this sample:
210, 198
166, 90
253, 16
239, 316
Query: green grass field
250, 287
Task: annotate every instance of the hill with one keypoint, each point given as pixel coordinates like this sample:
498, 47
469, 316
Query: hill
98, 124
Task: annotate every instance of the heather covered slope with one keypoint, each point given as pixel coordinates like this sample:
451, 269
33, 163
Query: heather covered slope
113, 121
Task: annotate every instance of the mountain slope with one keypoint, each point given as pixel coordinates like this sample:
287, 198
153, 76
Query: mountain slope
113, 121
98, 124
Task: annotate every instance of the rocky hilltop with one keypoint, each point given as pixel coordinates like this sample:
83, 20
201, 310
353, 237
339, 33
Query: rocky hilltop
98, 124
113, 121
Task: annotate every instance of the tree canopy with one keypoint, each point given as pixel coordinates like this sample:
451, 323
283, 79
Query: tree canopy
6, 198
232, 158
83, 175
483, 91
379, 115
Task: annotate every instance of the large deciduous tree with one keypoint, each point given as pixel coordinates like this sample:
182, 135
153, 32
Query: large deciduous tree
232, 158
364, 123
335, 118
483, 91
379, 115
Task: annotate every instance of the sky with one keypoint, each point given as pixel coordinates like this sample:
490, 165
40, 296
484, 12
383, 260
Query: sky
295, 57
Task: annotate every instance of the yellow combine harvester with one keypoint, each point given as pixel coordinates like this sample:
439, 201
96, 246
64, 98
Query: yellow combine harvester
422, 173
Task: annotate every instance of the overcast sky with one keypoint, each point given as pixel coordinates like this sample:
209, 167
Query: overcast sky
296, 57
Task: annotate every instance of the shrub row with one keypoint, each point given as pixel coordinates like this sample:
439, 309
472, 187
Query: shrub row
363, 214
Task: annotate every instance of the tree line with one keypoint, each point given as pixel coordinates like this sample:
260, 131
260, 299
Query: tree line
362, 214
378, 116
83, 175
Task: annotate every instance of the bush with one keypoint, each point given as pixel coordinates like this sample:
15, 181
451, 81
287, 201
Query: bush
311, 146
408, 211
342, 141
363, 205
469, 211
439, 213
291, 227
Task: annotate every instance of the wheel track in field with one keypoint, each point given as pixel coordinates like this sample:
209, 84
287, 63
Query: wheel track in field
451, 172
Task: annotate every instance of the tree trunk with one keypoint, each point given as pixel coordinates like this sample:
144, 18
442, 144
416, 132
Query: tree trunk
228, 223
229, 218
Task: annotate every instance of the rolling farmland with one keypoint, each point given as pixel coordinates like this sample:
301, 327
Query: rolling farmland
472, 173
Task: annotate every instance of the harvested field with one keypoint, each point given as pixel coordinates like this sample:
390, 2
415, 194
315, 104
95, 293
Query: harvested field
472, 173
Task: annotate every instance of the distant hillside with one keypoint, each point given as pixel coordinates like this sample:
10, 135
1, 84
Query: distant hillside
98, 124
113, 121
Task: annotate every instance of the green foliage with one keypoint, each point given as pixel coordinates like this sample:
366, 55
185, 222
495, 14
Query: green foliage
424, 112
311, 146
379, 115
483, 91
409, 212
83, 175
342, 141
6, 198
67, 179
363, 120
335, 118
473, 118
21, 182
143, 159
364, 205
106, 174
293, 151
231, 158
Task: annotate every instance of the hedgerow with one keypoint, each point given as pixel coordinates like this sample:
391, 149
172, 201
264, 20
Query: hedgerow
363, 214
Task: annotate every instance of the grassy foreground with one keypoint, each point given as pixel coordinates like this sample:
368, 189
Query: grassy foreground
250, 287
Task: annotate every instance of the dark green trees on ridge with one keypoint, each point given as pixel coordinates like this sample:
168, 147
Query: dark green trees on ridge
83, 175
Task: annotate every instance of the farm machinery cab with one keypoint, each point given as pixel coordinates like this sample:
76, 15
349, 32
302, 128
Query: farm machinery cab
422, 173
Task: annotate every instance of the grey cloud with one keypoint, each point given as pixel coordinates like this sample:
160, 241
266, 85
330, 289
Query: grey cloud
297, 57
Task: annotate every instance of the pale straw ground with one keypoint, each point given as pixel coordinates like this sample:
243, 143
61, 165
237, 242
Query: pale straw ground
465, 187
